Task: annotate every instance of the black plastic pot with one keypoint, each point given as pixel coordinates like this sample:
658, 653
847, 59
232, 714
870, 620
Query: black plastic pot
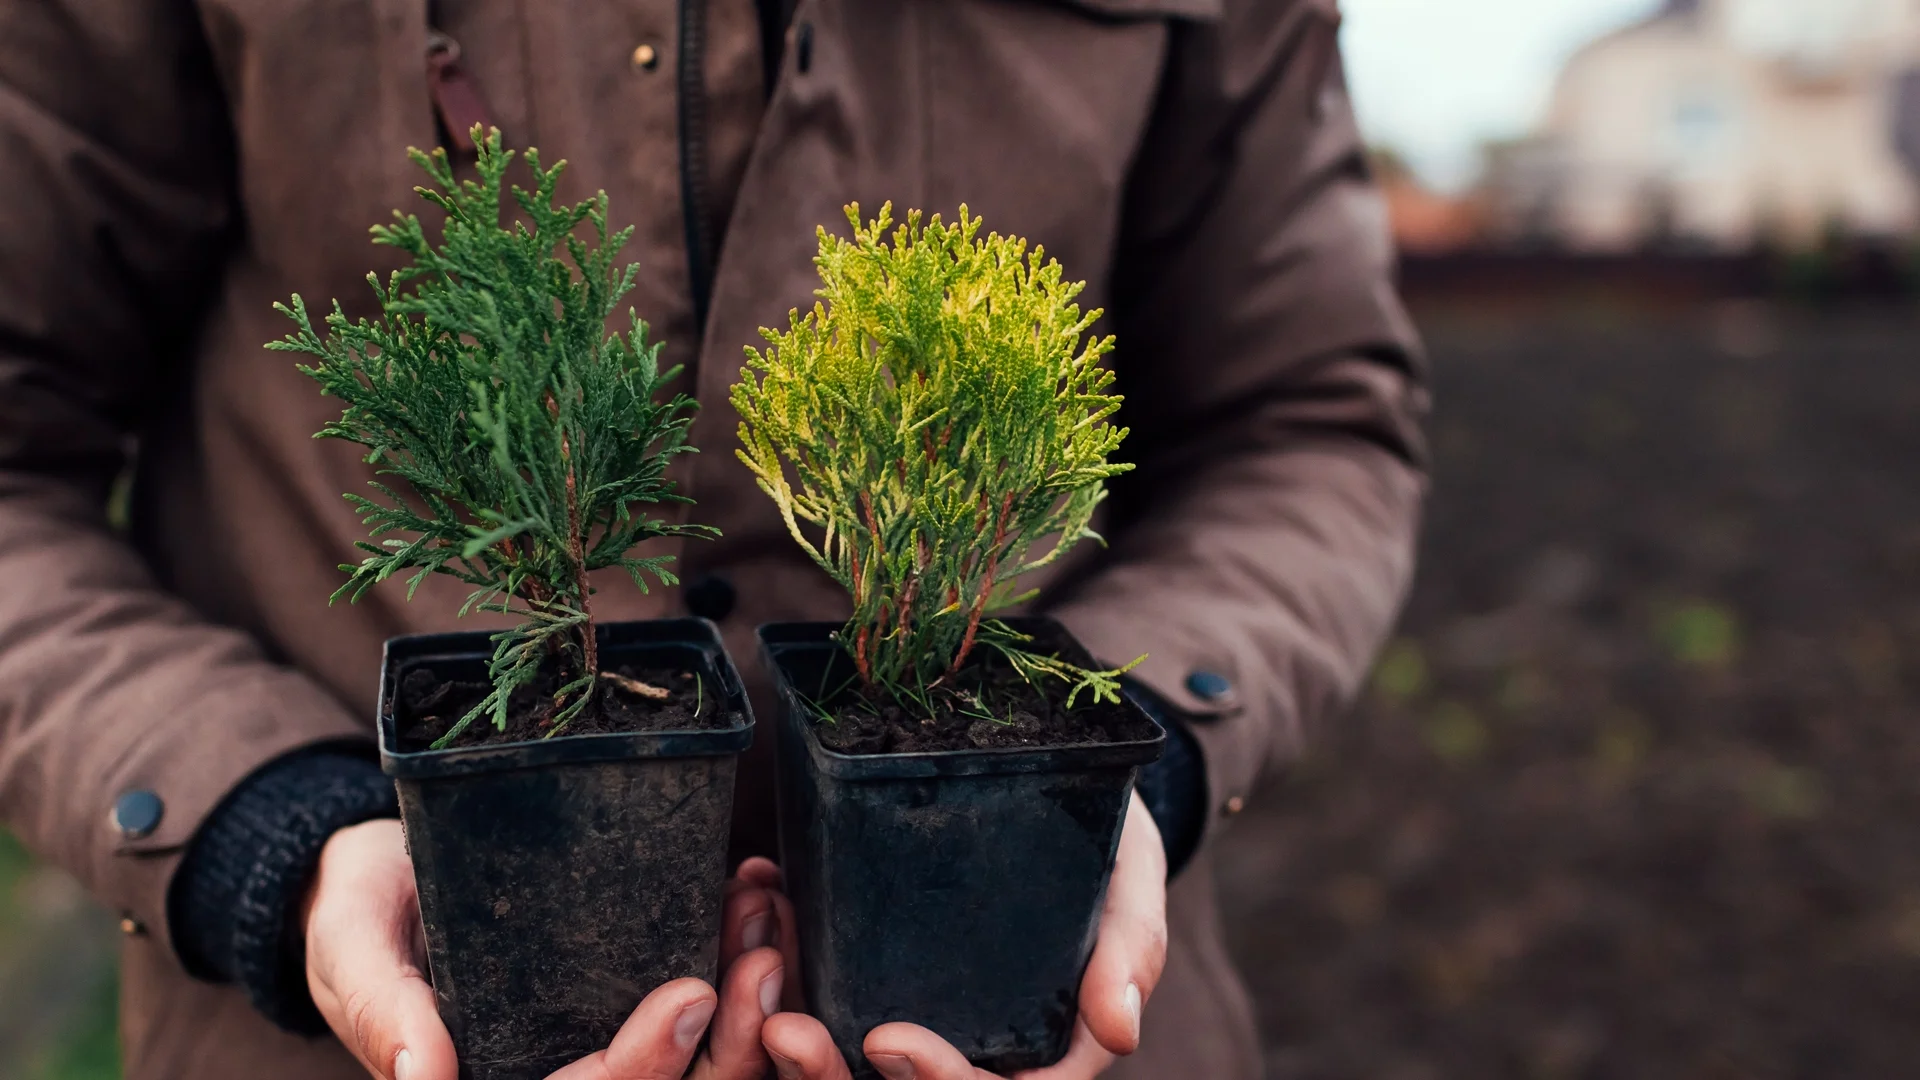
562, 880
959, 890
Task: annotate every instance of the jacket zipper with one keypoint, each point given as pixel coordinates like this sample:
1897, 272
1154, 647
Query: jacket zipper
457, 103
694, 203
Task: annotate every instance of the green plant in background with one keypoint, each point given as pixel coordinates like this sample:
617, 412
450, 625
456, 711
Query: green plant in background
1699, 633
528, 439
942, 420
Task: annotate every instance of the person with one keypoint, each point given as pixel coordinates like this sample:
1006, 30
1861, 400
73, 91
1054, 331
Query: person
184, 720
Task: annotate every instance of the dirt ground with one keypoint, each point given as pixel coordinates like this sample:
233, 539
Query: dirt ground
1635, 792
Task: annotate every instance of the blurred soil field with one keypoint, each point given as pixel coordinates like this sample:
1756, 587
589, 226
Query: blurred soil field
1635, 791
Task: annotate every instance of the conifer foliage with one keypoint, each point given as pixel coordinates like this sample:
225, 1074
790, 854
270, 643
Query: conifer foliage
529, 443
936, 418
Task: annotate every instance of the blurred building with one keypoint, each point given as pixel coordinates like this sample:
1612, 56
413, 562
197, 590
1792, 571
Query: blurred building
1717, 124
1425, 221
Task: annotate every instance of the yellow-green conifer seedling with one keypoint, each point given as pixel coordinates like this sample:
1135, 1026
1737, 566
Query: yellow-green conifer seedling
927, 429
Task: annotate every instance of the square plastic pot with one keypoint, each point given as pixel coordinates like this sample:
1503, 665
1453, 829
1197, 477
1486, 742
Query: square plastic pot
959, 890
562, 880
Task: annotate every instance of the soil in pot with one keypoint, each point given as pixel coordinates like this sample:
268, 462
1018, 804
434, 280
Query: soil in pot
435, 693
990, 706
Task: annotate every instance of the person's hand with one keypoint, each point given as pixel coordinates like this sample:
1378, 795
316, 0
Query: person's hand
1127, 961
365, 966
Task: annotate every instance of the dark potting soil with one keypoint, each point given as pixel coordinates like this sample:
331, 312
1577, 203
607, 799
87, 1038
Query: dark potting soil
990, 708
429, 703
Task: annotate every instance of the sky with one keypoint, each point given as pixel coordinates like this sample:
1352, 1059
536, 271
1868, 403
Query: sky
1436, 78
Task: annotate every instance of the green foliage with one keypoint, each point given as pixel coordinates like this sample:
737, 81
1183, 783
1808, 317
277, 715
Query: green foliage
942, 421
1456, 733
1700, 634
527, 441
1401, 673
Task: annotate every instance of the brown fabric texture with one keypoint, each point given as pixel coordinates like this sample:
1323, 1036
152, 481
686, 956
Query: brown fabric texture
171, 168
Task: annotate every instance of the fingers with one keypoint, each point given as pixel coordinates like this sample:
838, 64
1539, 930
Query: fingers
801, 1046
760, 872
748, 922
801, 1049
911, 1052
1085, 1058
362, 925
385, 1013
793, 997
1132, 947
748, 995
657, 1042
758, 914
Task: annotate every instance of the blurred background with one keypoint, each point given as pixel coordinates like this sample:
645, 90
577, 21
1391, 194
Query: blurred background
1635, 791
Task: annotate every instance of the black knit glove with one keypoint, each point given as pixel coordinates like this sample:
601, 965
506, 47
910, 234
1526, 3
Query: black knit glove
232, 903
1175, 787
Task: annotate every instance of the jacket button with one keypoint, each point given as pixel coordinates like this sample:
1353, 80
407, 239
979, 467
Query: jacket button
132, 927
1208, 685
645, 58
137, 813
1234, 805
709, 596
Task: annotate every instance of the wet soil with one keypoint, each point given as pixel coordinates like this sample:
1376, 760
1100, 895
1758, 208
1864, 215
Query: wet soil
432, 699
990, 707
1635, 792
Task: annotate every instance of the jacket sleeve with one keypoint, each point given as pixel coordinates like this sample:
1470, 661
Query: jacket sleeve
115, 206
1262, 547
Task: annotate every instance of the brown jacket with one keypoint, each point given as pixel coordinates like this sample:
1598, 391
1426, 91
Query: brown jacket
169, 168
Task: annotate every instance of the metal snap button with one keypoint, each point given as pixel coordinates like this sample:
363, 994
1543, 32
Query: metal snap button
1208, 685
137, 814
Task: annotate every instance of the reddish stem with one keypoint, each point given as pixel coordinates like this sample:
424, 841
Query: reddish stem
986, 586
860, 655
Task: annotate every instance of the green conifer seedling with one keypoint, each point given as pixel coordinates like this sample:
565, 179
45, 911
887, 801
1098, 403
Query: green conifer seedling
528, 441
936, 419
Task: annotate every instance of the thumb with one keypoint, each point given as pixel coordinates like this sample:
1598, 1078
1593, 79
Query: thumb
1132, 947
362, 940
386, 1016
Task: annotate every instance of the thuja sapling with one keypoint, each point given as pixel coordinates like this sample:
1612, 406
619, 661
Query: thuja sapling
946, 424
952, 782
518, 447
533, 442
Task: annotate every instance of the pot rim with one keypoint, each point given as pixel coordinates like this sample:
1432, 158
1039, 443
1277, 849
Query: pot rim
776, 638
700, 635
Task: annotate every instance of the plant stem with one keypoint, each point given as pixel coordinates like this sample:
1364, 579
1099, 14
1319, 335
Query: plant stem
577, 555
986, 587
